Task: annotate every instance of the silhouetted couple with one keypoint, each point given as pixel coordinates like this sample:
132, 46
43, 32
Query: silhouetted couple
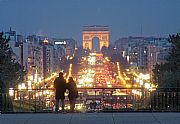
60, 85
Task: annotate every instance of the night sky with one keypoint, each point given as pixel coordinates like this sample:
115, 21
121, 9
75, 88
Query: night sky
65, 18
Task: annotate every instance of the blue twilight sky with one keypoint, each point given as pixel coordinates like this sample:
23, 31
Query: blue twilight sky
65, 18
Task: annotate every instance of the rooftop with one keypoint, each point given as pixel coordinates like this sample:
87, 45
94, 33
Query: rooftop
95, 28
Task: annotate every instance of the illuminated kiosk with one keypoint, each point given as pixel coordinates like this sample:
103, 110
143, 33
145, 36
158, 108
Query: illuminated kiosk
90, 32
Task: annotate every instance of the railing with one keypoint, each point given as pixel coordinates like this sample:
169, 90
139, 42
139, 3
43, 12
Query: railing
93, 99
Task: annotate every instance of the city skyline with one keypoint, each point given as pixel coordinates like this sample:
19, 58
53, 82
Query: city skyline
92, 56
65, 19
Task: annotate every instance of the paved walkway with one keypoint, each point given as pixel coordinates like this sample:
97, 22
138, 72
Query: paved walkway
91, 118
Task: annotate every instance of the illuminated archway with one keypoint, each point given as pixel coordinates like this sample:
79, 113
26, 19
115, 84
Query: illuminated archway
89, 32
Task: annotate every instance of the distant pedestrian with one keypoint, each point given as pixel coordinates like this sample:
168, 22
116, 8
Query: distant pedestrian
91, 105
94, 105
73, 93
60, 86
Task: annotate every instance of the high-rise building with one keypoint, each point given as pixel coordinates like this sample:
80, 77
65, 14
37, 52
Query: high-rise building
35, 57
66, 46
144, 52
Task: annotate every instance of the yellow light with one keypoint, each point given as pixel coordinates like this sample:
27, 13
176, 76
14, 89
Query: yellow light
23, 86
92, 60
127, 78
135, 85
109, 85
144, 76
79, 107
141, 82
47, 91
68, 107
137, 80
92, 54
128, 58
66, 94
108, 82
153, 86
40, 93
78, 85
128, 85
29, 85
136, 92
119, 74
45, 41
31, 77
11, 92
35, 80
135, 74
39, 79
44, 92
107, 58
147, 86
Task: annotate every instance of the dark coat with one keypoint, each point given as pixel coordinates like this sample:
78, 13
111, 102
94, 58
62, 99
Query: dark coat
73, 92
60, 86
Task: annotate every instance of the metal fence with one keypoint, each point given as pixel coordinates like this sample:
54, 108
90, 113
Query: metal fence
93, 99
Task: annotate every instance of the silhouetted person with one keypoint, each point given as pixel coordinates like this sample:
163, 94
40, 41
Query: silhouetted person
91, 105
60, 86
73, 93
94, 105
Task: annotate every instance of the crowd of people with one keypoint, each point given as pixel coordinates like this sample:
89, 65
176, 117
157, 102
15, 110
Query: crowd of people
61, 86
